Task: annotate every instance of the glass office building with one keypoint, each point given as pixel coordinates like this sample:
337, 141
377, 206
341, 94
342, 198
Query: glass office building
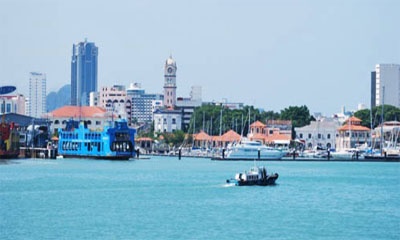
83, 72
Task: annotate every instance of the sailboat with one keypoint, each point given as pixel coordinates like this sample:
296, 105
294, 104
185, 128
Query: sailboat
383, 154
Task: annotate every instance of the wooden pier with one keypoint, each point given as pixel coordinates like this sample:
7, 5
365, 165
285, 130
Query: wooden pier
29, 152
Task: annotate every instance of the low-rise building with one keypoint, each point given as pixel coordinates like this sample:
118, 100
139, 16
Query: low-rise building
12, 104
95, 117
322, 133
275, 132
352, 134
167, 120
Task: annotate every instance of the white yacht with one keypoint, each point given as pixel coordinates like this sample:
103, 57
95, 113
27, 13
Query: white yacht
250, 150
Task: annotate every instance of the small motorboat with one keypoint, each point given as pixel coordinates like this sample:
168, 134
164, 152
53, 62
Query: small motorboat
255, 176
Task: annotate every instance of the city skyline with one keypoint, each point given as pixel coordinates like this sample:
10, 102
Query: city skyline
263, 53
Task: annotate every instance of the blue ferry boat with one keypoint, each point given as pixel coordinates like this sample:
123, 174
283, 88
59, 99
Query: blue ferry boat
115, 141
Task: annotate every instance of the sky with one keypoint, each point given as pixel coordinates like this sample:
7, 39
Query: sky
271, 54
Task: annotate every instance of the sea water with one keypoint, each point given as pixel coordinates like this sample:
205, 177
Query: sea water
168, 198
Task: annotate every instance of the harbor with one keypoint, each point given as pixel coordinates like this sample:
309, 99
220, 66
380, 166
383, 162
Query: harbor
154, 198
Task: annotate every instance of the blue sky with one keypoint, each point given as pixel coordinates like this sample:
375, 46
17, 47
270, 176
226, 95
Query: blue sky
270, 54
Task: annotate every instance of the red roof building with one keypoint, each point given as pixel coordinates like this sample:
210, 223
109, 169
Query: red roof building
95, 117
352, 134
271, 134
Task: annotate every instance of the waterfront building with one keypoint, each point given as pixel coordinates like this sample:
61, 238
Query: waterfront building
37, 95
170, 69
321, 133
83, 72
167, 121
13, 104
95, 117
141, 105
226, 139
275, 132
387, 77
352, 135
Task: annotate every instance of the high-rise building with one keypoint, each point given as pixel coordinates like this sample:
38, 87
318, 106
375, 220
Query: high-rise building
385, 85
170, 83
141, 105
37, 95
83, 72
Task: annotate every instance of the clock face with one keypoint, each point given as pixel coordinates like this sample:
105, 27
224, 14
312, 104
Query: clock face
169, 70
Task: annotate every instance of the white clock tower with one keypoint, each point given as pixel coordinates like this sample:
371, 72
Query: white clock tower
170, 82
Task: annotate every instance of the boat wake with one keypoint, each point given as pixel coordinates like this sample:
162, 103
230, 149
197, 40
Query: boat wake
229, 185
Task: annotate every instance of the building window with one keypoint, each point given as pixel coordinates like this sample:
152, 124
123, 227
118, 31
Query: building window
301, 135
328, 136
173, 121
309, 135
319, 136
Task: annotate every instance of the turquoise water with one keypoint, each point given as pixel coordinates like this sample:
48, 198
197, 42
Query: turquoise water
164, 198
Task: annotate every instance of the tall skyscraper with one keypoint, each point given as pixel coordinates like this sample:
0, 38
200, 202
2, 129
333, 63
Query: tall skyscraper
83, 72
387, 76
37, 95
170, 83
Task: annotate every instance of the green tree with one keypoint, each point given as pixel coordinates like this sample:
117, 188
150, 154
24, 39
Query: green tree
300, 116
390, 113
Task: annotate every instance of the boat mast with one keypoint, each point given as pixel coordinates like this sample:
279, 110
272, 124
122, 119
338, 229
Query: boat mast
383, 99
248, 129
371, 124
350, 132
220, 123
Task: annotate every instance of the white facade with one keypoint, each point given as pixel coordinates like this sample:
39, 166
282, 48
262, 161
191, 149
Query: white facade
156, 105
37, 95
94, 100
113, 99
167, 121
13, 104
319, 133
387, 76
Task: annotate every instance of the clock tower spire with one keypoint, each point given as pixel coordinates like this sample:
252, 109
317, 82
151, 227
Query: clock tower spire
170, 82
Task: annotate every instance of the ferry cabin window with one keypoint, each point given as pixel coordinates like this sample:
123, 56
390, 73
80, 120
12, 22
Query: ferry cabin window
122, 136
